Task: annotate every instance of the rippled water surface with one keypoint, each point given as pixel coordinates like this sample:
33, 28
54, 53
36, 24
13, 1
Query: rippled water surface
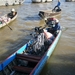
62, 61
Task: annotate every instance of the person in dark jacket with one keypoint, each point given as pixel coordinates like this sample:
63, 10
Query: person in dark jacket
57, 6
53, 25
12, 13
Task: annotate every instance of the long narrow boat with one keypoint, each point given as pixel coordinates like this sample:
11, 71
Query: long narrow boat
23, 63
9, 21
38, 1
49, 13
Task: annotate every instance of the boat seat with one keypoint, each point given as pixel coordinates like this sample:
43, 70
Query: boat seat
29, 56
28, 59
22, 69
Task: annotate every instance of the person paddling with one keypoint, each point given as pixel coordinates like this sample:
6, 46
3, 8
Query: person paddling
57, 6
12, 13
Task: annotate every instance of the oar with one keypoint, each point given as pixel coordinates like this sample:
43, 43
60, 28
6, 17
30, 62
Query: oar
6, 24
9, 27
41, 15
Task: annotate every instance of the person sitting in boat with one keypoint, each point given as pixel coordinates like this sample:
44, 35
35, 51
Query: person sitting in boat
12, 13
53, 25
57, 6
49, 37
40, 42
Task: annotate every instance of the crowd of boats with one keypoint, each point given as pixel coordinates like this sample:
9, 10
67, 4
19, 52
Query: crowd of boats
31, 57
15, 2
10, 2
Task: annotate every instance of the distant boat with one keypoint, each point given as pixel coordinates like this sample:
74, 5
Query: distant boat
38, 1
26, 61
70, 0
8, 20
10, 2
48, 13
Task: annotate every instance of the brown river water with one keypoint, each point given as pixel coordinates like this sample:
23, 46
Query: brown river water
62, 61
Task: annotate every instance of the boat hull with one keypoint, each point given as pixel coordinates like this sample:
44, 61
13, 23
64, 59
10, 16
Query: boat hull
38, 1
48, 14
6, 23
47, 55
39, 62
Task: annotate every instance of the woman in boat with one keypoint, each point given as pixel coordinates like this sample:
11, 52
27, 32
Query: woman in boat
12, 13
49, 37
57, 6
53, 25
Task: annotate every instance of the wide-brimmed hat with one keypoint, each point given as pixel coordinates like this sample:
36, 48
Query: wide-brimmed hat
56, 20
45, 19
13, 9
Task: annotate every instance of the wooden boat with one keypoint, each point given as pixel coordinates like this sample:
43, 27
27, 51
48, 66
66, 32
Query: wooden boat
69, 0
9, 21
48, 13
39, 1
23, 63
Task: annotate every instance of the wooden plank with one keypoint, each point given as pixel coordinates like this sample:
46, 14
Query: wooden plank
22, 69
28, 59
29, 56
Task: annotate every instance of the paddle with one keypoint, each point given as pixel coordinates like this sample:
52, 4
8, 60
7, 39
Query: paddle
6, 24
42, 15
9, 27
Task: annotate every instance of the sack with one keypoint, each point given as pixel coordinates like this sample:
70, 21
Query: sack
39, 43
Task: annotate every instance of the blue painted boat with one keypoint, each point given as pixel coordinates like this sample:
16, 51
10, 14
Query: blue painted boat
21, 63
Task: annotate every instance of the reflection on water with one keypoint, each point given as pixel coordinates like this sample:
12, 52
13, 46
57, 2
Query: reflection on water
62, 61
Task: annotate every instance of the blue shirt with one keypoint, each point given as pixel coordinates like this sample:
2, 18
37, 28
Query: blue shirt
58, 3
